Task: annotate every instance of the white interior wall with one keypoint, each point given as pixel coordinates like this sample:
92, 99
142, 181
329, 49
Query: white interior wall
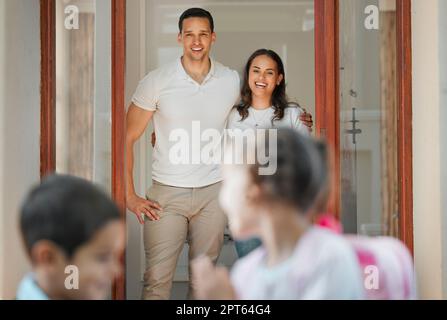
2, 129
442, 13
19, 129
428, 162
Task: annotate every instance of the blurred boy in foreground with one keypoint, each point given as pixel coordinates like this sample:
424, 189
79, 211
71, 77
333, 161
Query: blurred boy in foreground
74, 238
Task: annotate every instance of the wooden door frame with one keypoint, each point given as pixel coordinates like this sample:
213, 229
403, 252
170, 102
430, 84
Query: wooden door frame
327, 100
405, 122
47, 87
119, 123
326, 89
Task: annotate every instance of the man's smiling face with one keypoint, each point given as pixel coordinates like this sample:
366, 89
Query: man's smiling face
196, 38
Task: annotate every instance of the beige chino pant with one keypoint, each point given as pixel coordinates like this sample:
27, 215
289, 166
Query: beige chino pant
191, 214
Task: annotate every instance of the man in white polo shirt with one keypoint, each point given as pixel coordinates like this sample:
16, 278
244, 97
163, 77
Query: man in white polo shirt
182, 203
183, 200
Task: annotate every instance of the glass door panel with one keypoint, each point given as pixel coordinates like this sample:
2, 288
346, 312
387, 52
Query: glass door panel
83, 109
368, 117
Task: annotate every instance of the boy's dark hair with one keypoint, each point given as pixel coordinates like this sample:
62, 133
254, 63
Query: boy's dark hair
196, 13
65, 210
301, 171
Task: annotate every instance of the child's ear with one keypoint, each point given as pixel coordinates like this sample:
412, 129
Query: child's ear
46, 253
179, 37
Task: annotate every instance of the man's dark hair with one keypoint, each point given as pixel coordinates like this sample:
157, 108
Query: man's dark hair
196, 13
65, 210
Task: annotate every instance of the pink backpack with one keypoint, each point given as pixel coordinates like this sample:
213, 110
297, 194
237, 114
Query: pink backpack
386, 264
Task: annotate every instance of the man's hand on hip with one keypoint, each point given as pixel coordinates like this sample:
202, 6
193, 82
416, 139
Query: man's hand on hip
142, 207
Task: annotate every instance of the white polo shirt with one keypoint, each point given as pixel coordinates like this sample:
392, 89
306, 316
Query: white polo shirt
180, 104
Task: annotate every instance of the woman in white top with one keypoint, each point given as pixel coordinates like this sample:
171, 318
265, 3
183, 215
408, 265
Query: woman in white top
264, 105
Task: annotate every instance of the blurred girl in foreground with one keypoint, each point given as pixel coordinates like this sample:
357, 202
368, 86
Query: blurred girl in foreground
297, 260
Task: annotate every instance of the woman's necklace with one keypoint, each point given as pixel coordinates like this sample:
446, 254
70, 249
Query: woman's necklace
258, 123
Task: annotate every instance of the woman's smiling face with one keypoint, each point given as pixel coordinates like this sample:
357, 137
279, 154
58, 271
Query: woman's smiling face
263, 76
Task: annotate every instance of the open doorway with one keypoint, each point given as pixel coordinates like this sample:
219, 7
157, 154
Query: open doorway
241, 28
310, 33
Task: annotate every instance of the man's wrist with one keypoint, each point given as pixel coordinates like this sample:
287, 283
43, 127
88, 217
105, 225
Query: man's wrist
130, 195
